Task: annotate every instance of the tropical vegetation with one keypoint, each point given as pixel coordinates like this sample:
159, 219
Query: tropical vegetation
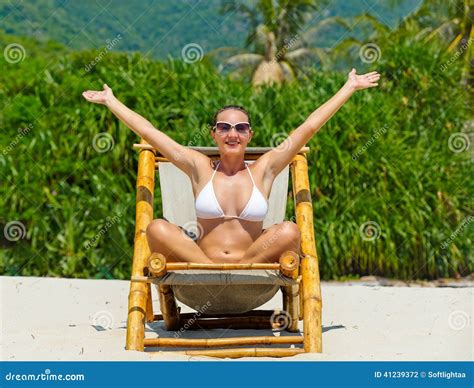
390, 173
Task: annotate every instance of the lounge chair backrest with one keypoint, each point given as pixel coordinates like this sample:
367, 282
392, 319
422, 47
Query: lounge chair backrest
178, 199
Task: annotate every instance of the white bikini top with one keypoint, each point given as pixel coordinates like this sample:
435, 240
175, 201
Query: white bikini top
207, 205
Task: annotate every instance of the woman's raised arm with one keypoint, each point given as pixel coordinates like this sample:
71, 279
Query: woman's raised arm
184, 158
277, 159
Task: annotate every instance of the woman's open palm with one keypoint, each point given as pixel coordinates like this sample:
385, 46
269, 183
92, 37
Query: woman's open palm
98, 97
363, 81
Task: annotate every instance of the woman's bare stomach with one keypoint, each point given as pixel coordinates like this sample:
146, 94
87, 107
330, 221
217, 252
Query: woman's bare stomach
228, 239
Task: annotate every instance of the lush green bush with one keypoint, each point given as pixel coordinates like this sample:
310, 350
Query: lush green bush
384, 158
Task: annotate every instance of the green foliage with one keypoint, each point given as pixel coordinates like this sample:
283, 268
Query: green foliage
159, 27
77, 204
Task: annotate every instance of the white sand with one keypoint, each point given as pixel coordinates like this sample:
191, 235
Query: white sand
53, 319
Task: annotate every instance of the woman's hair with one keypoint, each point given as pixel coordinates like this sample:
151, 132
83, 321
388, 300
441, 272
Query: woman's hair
235, 107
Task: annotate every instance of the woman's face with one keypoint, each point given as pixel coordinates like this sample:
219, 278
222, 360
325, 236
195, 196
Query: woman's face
232, 141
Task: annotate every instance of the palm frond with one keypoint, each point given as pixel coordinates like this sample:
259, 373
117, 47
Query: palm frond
441, 29
288, 72
345, 45
308, 52
222, 51
247, 59
379, 28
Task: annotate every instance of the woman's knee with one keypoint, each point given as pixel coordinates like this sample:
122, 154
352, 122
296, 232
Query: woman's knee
290, 233
157, 229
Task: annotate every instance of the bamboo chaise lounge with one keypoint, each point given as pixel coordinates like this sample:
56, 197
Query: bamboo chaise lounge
236, 290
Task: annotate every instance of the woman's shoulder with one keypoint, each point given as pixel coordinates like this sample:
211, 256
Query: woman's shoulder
259, 165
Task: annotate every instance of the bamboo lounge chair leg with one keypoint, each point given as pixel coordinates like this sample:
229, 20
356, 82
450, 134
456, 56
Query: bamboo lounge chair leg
289, 265
149, 304
290, 305
312, 304
157, 267
137, 298
300, 301
168, 307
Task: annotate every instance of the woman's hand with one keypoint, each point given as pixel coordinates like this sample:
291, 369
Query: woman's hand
359, 82
99, 97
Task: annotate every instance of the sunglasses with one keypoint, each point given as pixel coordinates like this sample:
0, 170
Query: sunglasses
223, 128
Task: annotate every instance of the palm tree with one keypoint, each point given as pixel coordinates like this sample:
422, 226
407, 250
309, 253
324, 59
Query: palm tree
456, 32
451, 21
276, 37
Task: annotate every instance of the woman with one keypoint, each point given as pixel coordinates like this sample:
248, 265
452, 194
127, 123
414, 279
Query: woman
231, 196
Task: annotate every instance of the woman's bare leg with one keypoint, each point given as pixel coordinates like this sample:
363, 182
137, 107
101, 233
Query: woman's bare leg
273, 242
168, 239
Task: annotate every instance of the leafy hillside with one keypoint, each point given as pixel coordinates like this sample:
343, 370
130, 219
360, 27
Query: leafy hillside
161, 28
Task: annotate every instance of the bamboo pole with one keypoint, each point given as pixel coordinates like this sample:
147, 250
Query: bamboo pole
246, 352
219, 342
168, 307
215, 151
221, 266
291, 305
149, 305
289, 264
162, 159
300, 300
312, 303
149, 315
157, 264
137, 297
